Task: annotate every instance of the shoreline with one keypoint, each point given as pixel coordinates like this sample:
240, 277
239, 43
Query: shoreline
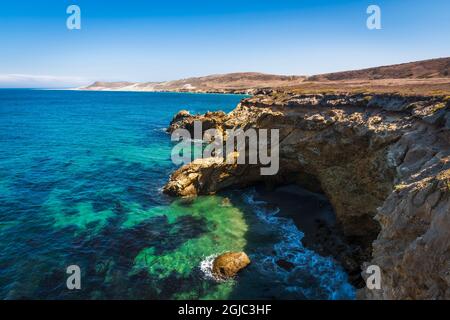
160, 91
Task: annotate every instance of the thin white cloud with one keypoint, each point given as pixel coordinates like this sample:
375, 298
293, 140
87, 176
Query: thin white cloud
39, 81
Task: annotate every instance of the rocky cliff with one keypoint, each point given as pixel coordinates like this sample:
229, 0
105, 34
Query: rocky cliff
382, 160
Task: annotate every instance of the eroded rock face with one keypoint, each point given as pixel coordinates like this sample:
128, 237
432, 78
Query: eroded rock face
384, 163
207, 176
210, 120
227, 265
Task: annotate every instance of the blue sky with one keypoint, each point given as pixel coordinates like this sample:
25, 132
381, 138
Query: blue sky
138, 40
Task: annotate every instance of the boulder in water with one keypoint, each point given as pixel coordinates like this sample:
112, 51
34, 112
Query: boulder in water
227, 265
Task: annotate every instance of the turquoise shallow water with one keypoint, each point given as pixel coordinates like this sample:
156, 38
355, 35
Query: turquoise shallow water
80, 180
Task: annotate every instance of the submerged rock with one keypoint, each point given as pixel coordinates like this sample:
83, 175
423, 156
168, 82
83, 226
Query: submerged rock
227, 265
226, 202
286, 265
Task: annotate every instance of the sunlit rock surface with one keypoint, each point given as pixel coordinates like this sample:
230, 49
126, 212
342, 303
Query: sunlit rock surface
228, 264
382, 160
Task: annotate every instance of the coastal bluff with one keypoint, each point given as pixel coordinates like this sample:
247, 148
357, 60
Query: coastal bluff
383, 161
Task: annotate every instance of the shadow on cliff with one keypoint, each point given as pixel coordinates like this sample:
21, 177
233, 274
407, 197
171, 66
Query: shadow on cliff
313, 216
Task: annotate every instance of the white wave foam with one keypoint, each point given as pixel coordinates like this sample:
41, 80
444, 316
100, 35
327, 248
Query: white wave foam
164, 129
306, 264
206, 267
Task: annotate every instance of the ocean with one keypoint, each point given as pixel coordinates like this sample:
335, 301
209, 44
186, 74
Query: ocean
80, 184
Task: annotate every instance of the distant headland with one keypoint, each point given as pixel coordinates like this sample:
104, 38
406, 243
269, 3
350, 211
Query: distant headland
428, 77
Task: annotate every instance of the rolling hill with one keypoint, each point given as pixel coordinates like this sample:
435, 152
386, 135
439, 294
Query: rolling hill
421, 77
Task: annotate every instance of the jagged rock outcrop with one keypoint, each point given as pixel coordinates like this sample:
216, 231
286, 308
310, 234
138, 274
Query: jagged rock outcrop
184, 120
207, 176
382, 160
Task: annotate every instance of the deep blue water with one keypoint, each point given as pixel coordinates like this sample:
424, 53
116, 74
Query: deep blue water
80, 181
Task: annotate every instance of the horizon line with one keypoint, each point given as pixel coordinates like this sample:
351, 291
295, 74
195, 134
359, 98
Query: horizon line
86, 82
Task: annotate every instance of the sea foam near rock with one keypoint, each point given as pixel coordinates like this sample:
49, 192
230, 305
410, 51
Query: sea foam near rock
312, 275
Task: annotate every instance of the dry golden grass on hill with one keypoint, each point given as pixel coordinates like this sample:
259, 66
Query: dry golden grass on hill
438, 86
428, 77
